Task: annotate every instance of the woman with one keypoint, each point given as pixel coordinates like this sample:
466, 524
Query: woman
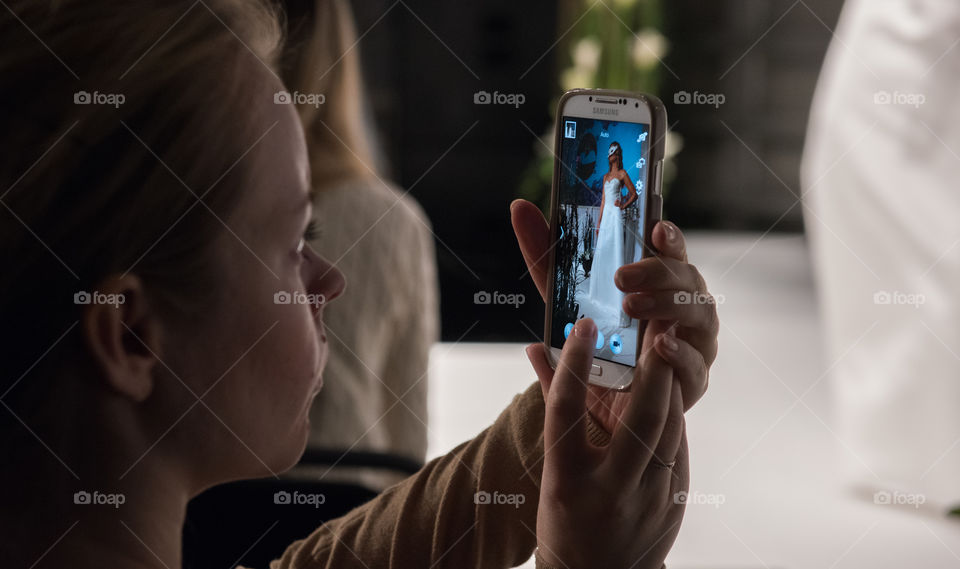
163, 334
609, 251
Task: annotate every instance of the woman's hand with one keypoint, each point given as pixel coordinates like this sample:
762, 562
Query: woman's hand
619, 500
670, 293
616, 505
691, 328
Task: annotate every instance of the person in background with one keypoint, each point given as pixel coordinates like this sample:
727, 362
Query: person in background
375, 395
879, 181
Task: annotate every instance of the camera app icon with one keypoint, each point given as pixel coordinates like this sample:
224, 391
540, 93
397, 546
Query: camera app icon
481, 98
281, 497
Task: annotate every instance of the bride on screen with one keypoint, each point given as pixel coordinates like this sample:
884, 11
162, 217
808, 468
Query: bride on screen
609, 253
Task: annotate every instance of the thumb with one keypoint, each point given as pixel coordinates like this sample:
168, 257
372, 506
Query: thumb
564, 430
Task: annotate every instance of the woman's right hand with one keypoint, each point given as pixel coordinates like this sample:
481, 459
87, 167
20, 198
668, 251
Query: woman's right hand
613, 506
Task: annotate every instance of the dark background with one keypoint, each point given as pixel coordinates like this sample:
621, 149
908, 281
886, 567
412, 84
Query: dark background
737, 171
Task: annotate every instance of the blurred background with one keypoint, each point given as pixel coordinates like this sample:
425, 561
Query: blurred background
424, 61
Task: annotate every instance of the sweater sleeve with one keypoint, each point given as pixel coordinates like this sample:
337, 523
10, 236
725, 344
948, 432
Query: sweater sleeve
474, 507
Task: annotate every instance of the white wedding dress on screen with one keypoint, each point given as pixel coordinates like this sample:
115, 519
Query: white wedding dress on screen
608, 254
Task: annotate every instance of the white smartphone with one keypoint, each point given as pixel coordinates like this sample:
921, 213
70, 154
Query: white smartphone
606, 199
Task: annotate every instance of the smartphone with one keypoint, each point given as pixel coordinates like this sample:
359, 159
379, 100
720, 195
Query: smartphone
606, 199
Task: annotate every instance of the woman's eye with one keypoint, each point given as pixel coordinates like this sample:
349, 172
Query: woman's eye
311, 233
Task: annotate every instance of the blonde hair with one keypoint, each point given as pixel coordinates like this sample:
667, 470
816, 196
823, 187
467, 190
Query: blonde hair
322, 58
92, 190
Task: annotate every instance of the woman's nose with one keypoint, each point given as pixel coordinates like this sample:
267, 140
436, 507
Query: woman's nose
325, 278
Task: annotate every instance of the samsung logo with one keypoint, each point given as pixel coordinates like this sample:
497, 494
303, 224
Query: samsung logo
603, 111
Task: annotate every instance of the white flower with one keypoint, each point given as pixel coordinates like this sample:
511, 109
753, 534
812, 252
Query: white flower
649, 47
586, 53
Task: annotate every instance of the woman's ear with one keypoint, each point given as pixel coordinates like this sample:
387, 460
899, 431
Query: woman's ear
122, 331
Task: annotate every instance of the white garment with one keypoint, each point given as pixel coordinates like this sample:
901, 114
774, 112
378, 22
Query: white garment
608, 253
880, 174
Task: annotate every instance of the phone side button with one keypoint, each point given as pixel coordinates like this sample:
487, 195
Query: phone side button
596, 370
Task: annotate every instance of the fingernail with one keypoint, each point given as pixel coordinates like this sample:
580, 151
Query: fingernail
585, 328
669, 343
671, 231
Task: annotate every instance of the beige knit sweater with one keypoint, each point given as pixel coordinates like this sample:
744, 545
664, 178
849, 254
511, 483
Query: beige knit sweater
448, 514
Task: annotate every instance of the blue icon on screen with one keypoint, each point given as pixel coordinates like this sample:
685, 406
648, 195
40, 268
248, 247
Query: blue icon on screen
570, 129
599, 339
642, 137
616, 345
567, 329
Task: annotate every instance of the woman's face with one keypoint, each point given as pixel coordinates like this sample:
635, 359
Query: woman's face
255, 357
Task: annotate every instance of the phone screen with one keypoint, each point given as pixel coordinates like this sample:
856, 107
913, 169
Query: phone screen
601, 199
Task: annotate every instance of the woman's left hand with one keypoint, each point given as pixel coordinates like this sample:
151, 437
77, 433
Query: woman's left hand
683, 333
